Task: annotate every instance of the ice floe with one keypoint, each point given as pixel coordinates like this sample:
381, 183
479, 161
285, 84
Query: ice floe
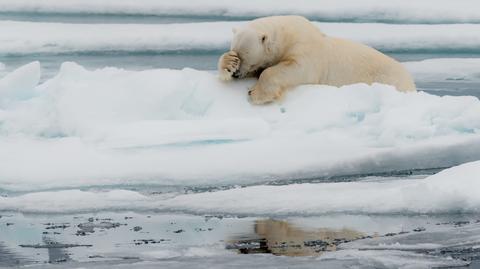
445, 69
396, 11
112, 127
26, 38
453, 190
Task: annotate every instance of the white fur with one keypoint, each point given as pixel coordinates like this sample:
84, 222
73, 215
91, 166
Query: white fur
291, 51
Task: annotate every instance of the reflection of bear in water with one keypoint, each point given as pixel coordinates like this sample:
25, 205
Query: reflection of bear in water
282, 238
287, 51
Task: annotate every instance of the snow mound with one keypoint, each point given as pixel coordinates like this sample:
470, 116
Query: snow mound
22, 38
185, 127
430, 11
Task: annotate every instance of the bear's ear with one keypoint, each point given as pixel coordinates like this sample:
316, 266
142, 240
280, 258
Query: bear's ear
263, 38
234, 30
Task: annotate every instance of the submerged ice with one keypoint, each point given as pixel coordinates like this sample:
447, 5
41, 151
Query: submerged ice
185, 128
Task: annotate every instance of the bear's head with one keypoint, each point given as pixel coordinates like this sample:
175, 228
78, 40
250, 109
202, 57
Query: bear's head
254, 50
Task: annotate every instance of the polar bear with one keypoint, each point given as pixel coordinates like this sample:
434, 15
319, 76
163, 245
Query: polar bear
287, 51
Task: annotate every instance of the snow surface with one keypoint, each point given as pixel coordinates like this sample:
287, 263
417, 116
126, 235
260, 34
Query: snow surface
452, 190
143, 127
430, 11
112, 127
28, 37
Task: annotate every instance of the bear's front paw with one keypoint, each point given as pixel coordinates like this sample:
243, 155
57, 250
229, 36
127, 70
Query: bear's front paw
260, 97
228, 64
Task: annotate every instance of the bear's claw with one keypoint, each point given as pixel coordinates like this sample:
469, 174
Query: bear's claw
258, 97
229, 65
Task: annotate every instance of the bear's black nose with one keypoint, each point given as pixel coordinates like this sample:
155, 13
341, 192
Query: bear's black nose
236, 74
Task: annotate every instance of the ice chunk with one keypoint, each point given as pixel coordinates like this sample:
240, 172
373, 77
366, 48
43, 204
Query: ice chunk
19, 84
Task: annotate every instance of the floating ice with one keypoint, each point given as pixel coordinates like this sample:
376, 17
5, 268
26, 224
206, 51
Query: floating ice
74, 201
453, 69
452, 190
23, 37
170, 127
430, 11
